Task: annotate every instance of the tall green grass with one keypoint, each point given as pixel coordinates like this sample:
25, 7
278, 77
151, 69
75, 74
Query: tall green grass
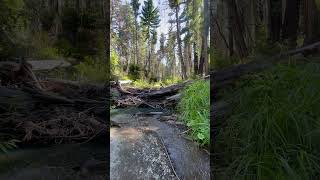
274, 131
8, 145
92, 70
194, 108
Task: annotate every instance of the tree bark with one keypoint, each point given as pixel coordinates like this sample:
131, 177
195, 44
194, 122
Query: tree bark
183, 67
107, 17
203, 66
275, 20
137, 50
230, 43
195, 59
312, 22
291, 22
213, 11
238, 30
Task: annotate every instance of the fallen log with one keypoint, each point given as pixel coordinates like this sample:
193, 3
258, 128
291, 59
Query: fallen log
174, 98
21, 73
130, 101
228, 75
32, 113
167, 91
120, 89
74, 89
41, 65
25, 98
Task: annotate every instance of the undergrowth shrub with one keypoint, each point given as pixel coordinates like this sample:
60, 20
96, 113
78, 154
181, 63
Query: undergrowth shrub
42, 47
134, 72
194, 108
274, 130
146, 84
8, 145
92, 69
221, 61
156, 84
171, 80
48, 53
153, 78
65, 48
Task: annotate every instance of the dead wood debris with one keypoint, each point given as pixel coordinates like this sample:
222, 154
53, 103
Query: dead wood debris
154, 98
49, 111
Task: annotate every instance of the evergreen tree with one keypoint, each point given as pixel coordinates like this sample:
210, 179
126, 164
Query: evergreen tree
175, 4
135, 7
150, 21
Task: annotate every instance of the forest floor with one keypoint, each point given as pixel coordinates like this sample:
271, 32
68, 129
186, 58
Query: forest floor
147, 139
62, 124
149, 146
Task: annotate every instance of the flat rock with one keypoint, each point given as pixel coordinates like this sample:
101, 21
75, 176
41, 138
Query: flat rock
136, 154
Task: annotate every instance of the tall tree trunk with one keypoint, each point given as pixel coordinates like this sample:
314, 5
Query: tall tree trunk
203, 66
107, 35
202, 59
213, 4
312, 22
148, 60
58, 23
189, 55
195, 59
291, 22
127, 53
275, 20
136, 43
183, 67
230, 31
238, 30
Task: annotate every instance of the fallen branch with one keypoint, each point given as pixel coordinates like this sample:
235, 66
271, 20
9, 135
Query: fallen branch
228, 75
12, 72
167, 91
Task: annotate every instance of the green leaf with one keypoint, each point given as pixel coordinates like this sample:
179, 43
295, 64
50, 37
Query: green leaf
200, 136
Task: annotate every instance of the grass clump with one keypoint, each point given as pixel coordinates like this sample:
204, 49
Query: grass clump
274, 130
92, 70
146, 84
8, 145
194, 108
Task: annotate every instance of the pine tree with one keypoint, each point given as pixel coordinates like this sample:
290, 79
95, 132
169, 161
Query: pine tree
175, 5
135, 7
150, 20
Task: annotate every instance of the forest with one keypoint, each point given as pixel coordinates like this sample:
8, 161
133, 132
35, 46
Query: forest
179, 89
54, 74
264, 89
168, 42
160, 88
